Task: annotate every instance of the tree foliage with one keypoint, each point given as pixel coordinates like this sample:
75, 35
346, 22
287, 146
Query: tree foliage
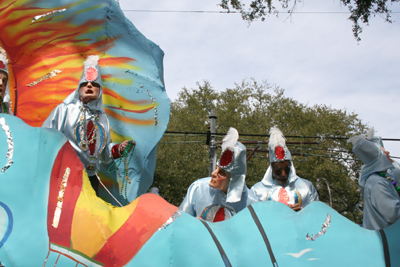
361, 10
253, 108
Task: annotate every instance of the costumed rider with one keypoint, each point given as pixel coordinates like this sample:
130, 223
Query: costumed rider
381, 199
280, 182
81, 118
4, 88
225, 193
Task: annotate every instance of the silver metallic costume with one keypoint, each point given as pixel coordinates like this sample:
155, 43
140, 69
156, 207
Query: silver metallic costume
381, 200
297, 190
71, 116
201, 198
206, 202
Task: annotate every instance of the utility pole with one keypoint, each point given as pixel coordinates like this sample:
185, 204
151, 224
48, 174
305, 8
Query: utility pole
213, 142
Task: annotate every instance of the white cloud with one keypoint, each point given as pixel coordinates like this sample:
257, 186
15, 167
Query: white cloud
314, 57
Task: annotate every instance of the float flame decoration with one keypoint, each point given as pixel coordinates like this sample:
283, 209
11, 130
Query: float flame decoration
61, 41
277, 143
228, 144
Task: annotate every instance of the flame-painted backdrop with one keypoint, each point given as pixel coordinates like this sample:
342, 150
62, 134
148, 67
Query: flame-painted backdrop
46, 43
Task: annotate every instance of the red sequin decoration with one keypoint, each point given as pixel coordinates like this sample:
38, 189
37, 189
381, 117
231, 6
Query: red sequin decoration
220, 215
91, 74
226, 158
283, 196
280, 153
2, 65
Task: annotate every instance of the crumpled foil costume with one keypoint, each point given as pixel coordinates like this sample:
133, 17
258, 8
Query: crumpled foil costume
4, 68
206, 202
67, 115
297, 190
381, 200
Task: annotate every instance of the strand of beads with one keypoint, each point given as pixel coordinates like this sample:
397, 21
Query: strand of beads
392, 181
83, 129
125, 159
124, 190
124, 155
396, 187
85, 138
92, 134
3, 106
126, 169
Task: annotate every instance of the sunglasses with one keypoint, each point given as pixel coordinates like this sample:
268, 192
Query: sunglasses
279, 171
93, 84
222, 173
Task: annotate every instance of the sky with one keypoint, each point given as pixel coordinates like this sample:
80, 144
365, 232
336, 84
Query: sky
313, 55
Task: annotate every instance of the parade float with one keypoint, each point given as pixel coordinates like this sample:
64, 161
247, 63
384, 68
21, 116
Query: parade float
50, 215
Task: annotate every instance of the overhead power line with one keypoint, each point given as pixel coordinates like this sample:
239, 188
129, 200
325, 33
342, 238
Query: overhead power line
267, 135
237, 12
179, 11
304, 150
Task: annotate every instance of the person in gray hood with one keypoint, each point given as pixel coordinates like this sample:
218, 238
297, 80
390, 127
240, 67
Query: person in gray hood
280, 182
381, 200
221, 196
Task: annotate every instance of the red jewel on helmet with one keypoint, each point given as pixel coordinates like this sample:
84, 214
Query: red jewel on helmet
226, 158
2, 65
280, 153
91, 74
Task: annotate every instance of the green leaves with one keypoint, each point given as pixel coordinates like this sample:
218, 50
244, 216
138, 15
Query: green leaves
361, 10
